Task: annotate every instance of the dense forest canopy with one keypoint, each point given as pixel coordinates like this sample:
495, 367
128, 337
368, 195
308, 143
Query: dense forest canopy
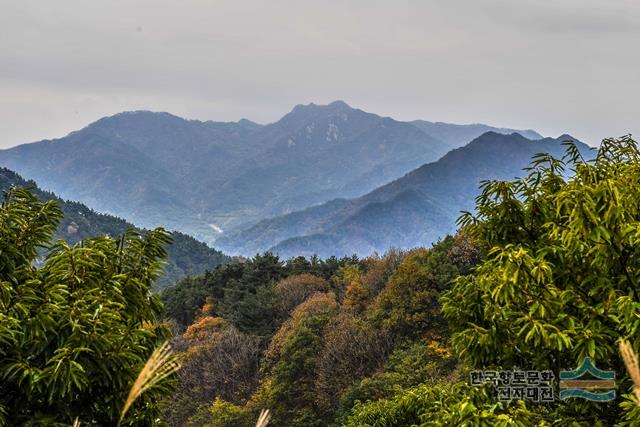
542, 274
309, 337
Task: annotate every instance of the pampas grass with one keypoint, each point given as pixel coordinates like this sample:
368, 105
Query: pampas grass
264, 418
160, 365
631, 362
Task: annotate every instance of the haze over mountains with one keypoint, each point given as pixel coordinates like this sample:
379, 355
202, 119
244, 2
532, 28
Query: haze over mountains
213, 178
458, 135
414, 210
186, 255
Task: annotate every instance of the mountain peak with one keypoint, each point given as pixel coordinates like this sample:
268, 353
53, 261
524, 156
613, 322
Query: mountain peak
299, 107
302, 113
136, 118
248, 124
332, 106
143, 114
339, 104
566, 137
497, 136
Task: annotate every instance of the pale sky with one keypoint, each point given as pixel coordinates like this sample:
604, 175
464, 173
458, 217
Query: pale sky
554, 66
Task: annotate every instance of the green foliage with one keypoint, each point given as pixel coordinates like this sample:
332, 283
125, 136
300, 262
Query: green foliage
187, 256
561, 278
409, 304
407, 367
321, 324
268, 303
183, 301
243, 292
324, 268
75, 333
225, 414
443, 405
252, 311
292, 383
289, 387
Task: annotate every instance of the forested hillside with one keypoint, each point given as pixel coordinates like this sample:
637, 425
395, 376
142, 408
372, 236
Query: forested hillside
187, 256
249, 213
541, 276
307, 338
544, 274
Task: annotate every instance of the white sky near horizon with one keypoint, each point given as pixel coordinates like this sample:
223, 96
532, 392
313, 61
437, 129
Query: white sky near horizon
563, 66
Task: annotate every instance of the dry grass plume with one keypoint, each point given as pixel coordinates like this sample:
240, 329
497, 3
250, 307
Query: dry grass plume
631, 362
160, 365
264, 418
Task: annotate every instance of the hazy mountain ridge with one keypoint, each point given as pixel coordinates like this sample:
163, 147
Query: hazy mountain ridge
318, 153
414, 210
203, 177
456, 135
187, 256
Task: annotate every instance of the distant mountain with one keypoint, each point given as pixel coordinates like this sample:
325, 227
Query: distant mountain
210, 178
138, 165
187, 256
411, 211
456, 136
319, 152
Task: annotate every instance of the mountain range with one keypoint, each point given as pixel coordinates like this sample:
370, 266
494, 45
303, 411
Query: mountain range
186, 255
414, 210
215, 180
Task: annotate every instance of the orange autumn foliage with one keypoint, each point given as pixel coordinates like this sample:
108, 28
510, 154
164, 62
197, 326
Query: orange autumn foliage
204, 328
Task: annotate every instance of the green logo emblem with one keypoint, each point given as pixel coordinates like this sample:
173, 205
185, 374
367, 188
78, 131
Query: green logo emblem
588, 382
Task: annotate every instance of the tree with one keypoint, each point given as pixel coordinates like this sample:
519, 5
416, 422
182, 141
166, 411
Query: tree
352, 349
221, 363
225, 414
561, 280
377, 270
288, 389
184, 300
248, 301
293, 290
242, 290
355, 294
406, 368
75, 333
409, 304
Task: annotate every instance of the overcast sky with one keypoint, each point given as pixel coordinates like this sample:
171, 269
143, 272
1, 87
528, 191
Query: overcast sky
555, 66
